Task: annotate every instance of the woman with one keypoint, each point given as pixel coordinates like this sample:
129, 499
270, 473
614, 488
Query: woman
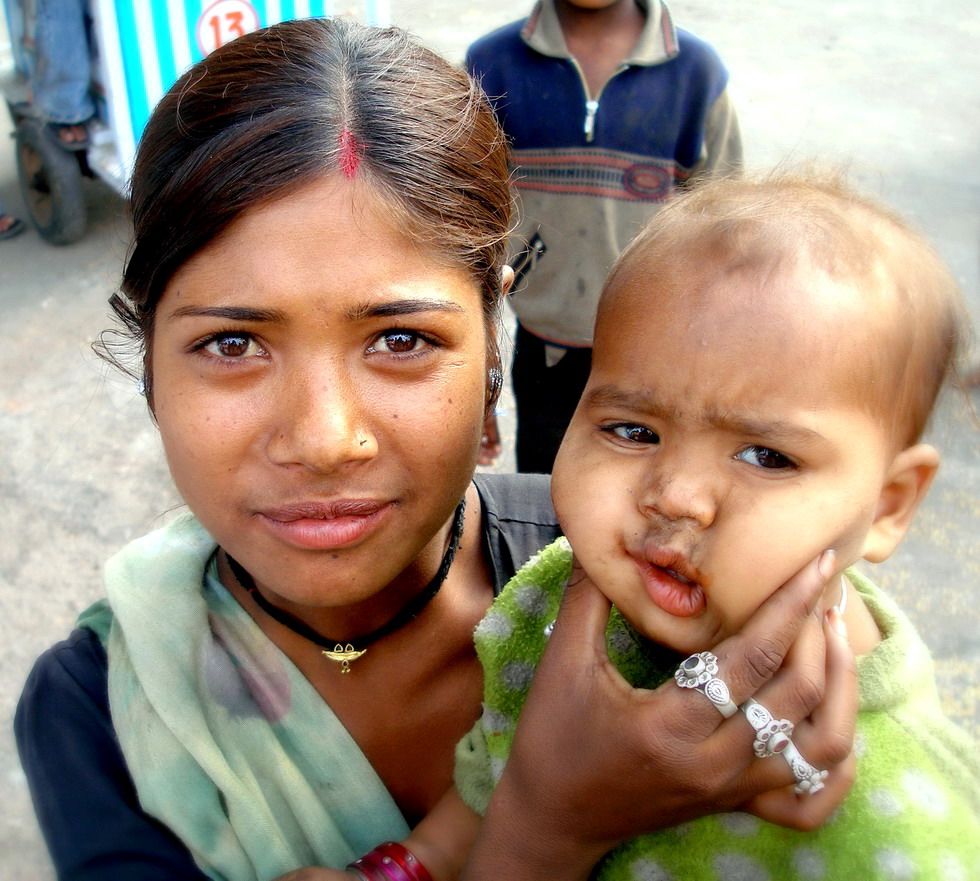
278, 681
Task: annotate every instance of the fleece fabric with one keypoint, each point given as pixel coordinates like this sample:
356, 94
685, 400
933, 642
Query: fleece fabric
911, 814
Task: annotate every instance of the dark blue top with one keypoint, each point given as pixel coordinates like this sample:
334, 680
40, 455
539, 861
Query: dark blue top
655, 110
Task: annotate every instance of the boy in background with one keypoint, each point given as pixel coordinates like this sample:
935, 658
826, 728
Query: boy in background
609, 109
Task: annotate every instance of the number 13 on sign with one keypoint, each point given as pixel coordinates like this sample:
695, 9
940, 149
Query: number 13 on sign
224, 21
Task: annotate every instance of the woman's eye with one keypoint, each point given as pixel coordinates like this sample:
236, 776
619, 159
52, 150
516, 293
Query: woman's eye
399, 342
763, 457
232, 346
635, 434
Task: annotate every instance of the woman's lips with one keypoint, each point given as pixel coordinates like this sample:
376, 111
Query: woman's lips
325, 526
669, 589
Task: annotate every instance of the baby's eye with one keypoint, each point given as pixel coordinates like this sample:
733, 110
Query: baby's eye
635, 434
232, 346
763, 457
399, 342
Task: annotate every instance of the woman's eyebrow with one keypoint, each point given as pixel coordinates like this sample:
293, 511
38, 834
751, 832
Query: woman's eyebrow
232, 313
402, 307
357, 313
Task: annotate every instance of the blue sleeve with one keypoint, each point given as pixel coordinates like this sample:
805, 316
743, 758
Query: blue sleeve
85, 801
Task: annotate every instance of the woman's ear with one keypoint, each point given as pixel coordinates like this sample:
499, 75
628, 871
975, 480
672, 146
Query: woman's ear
906, 483
506, 279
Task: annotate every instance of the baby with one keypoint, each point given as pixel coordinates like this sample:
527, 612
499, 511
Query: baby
767, 354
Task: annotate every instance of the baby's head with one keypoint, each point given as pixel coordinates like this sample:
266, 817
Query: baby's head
767, 354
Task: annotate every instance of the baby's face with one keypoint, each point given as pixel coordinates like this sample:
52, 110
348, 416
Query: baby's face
721, 444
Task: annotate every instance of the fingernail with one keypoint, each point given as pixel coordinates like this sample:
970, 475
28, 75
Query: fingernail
827, 563
837, 621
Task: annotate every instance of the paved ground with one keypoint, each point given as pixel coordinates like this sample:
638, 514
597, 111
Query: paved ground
875, 86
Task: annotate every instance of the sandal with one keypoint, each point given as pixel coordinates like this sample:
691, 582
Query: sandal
15, 228
58, 130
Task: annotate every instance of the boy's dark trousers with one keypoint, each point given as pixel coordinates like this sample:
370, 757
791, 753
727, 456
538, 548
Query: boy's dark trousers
546, 398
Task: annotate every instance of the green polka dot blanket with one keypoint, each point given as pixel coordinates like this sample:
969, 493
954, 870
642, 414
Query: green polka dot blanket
912, 814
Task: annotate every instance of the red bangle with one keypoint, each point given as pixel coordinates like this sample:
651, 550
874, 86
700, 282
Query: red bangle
390, 861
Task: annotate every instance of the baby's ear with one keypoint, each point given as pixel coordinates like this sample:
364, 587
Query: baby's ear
906, 483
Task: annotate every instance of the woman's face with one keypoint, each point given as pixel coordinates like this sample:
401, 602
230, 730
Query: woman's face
319, 383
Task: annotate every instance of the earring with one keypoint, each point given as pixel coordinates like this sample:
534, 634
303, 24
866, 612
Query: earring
495, 379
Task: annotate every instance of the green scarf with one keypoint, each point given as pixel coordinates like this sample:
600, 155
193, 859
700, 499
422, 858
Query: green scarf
228, 744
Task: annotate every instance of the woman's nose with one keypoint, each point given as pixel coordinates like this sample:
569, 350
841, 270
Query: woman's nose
322, 424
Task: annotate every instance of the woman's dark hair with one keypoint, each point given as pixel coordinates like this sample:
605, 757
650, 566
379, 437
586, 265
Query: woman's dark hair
281, 107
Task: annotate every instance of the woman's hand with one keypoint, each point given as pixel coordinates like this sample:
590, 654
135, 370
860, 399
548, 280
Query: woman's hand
596, 762
823, 737
312, 873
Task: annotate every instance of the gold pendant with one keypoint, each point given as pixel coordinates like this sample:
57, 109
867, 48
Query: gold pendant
344, 654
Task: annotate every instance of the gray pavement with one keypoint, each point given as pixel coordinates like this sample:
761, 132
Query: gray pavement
877, 87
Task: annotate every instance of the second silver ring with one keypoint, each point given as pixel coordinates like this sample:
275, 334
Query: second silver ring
700, 672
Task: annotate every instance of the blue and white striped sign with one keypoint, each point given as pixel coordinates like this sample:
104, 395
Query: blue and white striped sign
145, 45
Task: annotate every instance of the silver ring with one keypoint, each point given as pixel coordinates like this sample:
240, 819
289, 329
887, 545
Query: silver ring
774, 737
809, 779
698, 671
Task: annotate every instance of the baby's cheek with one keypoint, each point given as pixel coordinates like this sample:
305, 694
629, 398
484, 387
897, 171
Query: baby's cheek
762, 561
844, 529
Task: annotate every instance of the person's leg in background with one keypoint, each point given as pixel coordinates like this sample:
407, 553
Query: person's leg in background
10, 226
61, 78
546, 398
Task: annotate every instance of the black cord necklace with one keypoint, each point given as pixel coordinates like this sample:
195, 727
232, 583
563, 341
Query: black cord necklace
350, 650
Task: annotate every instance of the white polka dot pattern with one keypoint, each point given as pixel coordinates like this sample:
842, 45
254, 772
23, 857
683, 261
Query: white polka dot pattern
532, 599
808, 864
495, 625
495, 722
894, 865
885, 803
738, 867
923, 791
648, 870
740, 825
516, 675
